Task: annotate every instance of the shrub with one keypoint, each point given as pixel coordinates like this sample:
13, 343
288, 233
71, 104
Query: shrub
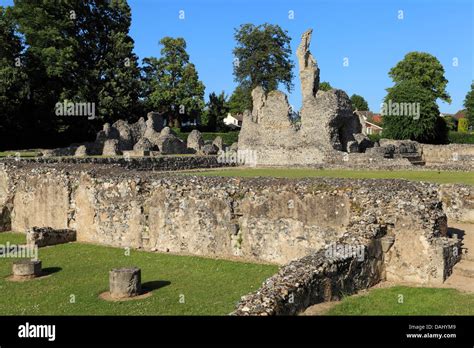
461, 138
463, 125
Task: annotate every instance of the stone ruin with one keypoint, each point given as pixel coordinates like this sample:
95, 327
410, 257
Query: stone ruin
142, 138
329, 129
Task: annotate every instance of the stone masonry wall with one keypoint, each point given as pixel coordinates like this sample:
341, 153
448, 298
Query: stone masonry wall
264, 219
449, 154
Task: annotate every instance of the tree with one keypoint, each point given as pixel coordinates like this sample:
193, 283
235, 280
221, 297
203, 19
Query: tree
359, 103
469, 105
263, 57
217, 109
78, 51
410, 112
173, 84
463, 125
13, 79
424, 69
240, 100
325, 86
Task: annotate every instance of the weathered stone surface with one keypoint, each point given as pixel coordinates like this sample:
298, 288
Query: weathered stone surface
363, 142
111, 148
169, 143
144, 144
26, 269
308, 68
458, 202
209, 149
45, 236
327, 127
274, 220
195, 141
218, 142
125, 282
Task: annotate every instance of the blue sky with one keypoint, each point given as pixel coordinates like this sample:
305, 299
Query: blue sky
367, 32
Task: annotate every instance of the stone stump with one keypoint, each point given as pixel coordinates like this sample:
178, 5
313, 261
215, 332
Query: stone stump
26, 269
125, 282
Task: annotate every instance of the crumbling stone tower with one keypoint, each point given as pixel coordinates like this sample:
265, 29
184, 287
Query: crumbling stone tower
328, 123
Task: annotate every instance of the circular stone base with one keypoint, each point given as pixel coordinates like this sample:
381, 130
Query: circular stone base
106, 297
13, 278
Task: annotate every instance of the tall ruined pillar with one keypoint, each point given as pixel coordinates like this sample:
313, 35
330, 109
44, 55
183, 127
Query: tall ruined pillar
309, 70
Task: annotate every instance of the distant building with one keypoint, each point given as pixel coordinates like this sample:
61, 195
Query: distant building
233, 121
371, 123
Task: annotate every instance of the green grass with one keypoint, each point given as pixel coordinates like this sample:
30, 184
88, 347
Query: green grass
441, 177
209, 286
416, 301
21, 152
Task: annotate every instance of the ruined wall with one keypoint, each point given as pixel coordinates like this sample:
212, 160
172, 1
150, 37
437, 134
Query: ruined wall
315, 278
265, 219
327, 123
162, 163
458, 201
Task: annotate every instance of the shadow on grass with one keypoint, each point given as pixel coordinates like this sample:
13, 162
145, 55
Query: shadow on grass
154, 285
50, 270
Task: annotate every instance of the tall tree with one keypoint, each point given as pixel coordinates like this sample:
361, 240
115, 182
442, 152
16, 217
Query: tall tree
263, 57
13, 79
425, 70
173, 84
469, 105
78, 51
217, 109
240, 100
411, 112
359, 103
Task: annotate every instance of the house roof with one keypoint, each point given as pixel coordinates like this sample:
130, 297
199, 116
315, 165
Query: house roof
238, 117
373, 125
377, 119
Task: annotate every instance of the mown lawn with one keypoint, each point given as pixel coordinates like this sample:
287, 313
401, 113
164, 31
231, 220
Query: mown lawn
402, 300
22, 153
441, 177
80, 271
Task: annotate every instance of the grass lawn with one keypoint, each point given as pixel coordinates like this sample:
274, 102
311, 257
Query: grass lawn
209, 286
22, 153
416, 301
433, 176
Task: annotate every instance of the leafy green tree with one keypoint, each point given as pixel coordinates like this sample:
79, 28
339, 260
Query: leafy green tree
463, 125
13, 79
263, 57
325, 86
217, 109
422, 121
172, 83
240, 100
469, 105
450, 123
78, 51
424, 69
359, 103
